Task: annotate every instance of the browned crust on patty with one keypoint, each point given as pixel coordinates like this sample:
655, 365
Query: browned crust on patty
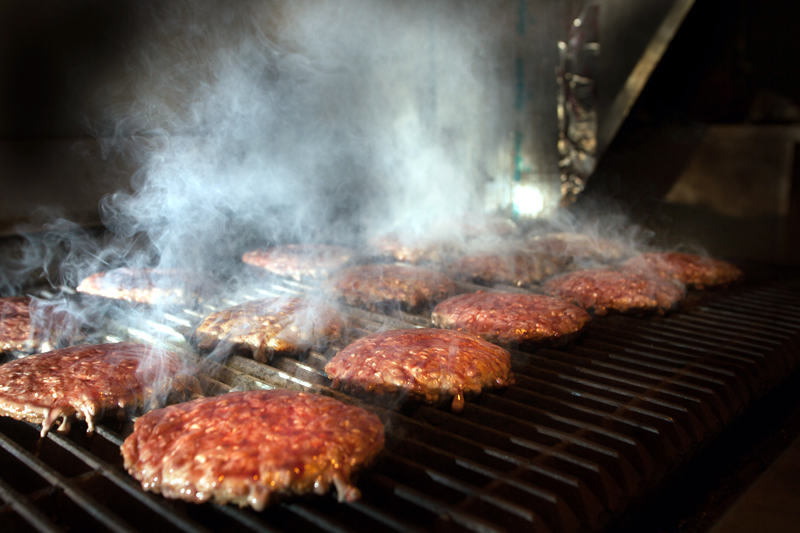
268, 326
142, 285
381, 287
520, 321
425, 365
692, 270
252, 448
511, 268
84, 382
601, 291
301, 261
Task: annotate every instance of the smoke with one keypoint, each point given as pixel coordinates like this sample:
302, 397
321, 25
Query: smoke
304, 121
253, 123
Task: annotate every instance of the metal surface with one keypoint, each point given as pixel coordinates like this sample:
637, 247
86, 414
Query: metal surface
632, 48
586, 430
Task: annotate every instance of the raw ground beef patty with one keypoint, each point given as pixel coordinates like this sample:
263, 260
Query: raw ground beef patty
426, 365
272, 325
601, 291
301, 261
691, 270
252, 448
381, 287
84, 382
513, 320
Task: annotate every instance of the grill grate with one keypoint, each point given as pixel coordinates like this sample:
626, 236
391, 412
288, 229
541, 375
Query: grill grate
587, 429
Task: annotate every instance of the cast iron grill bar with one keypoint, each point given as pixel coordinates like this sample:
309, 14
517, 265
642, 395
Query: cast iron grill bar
657, 443
376, 514
630, 448
555, 511
574, 492
514, 515
660, 332
123, 481
745, 320
586, 360
595, 475
675, 362
766, 302
773, 319
87, 503
654, 361
23, 507
705, 359
533, 436
757, 308
668, 427
651, 394
439, 508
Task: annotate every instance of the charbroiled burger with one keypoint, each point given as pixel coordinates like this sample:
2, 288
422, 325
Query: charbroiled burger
381, 287
301, 261
85, 382
28, 325
601, 291
152, 286
517, 268
425, 365
252, 448
414, 250
567, 248
521, 321
264, 327
692, 270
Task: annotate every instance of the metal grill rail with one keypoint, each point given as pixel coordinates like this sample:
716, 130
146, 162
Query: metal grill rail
586, 429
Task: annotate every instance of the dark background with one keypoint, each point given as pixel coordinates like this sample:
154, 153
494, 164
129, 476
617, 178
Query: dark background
732, 62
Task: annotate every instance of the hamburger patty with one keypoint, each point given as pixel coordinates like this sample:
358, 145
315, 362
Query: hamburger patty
252, 448
603, 290
426, 365
299, 261
513, 320
512, 268
272, 325
142, 285
28, 325
565, 248
84, 382
691, 270
379, 287
15, 324
413, 250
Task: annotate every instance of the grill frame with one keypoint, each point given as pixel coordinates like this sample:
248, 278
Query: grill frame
593, 427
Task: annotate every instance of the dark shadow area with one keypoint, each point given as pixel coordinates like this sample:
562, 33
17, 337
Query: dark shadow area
731, 62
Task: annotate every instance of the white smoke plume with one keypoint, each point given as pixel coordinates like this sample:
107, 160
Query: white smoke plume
301, 121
